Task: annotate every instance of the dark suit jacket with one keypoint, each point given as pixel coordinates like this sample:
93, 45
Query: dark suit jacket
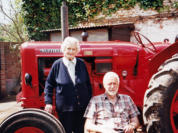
69, 97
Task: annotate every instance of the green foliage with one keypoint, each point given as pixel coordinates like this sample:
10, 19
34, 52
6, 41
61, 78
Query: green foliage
45, 14
40, 15
175, 5
2, 39
154, 4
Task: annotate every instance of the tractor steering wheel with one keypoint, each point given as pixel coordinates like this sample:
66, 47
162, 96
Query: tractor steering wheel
139, 39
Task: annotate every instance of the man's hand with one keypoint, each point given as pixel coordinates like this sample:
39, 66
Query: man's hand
133, 125
129, 129
49, 108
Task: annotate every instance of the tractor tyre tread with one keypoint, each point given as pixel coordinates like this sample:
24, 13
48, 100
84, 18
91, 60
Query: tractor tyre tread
157, 100
31, 118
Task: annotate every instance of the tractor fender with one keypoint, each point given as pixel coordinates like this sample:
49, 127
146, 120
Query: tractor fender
160, 112
161, 57
31, 121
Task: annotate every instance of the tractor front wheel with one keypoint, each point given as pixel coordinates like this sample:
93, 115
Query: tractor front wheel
31, 121
160, 111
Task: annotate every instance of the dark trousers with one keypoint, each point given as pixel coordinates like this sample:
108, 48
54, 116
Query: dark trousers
73, 122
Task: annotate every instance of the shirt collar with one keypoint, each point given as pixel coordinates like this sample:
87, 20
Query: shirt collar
106, 98
66, 61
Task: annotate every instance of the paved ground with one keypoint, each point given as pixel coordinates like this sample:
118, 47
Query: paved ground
8, 106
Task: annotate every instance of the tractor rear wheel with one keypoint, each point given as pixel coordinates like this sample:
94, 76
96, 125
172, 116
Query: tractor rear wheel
31, 121
160, 111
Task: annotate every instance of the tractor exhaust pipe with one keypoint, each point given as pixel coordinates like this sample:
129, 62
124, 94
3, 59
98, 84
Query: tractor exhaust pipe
84, 35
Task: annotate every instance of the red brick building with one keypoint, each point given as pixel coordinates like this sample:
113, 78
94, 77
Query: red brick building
9, 69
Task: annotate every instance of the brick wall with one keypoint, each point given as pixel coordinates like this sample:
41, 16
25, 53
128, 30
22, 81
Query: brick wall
10, 69
2, 74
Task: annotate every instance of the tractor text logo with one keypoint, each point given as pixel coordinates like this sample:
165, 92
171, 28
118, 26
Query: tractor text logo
50, 50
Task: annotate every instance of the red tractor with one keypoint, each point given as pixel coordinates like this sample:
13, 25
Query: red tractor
136, 64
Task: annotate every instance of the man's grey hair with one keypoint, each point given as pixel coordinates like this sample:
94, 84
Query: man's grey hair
110, 74
70, 40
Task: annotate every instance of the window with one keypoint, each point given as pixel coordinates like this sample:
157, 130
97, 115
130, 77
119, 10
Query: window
103, 67
103, 64
121, 32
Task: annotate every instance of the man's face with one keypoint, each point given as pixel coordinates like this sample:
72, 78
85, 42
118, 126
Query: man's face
111, 86
70, 51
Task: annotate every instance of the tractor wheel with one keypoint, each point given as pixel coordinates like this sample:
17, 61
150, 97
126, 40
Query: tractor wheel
160, 111
31, 121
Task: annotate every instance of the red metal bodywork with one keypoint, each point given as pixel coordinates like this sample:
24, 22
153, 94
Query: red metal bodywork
134, 63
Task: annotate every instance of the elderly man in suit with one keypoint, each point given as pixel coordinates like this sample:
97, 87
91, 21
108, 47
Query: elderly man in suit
69, 77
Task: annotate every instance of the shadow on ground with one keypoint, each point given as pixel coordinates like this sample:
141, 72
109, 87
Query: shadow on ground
8, 99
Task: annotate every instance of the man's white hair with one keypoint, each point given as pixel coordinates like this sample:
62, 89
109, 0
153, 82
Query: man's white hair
110, 74
70, 40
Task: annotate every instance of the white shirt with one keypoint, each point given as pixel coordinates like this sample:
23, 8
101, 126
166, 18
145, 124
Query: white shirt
70, 67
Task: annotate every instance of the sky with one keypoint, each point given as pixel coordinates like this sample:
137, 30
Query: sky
6, 6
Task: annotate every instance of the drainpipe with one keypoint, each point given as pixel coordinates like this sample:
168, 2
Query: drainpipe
64, 20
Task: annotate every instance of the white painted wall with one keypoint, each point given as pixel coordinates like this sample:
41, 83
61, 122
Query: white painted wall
76, 34
98, 35
55, 36
155, 29
158, 30
93, 35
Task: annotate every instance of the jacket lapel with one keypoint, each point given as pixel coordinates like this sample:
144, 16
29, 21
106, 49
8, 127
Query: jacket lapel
77, 72
63, 76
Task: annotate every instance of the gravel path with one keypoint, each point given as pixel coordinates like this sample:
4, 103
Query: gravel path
8, 106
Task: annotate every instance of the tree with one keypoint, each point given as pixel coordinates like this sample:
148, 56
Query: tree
15, 29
